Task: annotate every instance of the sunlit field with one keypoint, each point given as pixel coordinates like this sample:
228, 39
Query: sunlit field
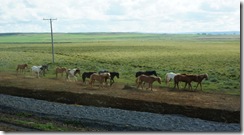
127, 53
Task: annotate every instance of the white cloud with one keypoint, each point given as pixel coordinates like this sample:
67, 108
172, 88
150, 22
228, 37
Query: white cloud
120, 15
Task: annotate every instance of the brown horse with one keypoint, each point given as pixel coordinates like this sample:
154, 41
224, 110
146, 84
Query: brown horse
182, 78
100, 78
21, 67
60, 70
198, 79
147, 79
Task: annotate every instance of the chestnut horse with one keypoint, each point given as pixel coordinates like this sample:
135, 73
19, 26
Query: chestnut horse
72, 73
189, 78
198, 79
100, 78
21, 67
147, 79
60, 70
182, 78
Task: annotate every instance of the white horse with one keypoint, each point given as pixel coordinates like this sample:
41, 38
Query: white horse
72, 73
170, 76
38, 70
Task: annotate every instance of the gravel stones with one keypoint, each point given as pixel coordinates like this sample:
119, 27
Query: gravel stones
114, 119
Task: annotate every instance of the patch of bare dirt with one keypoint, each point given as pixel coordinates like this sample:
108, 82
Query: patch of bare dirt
210, 106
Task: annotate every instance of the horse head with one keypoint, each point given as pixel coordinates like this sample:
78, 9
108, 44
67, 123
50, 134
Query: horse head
117, 75
77, 71
206, 76
45, 67
159, 80
154, 73
25, 66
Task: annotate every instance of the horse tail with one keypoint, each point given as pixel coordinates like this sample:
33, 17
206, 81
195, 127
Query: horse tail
166, 79
137, 80
67, 74
17, 68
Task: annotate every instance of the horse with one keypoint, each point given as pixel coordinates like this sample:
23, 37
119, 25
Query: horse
60, 70
113, 74
37, 69
147, 79
21, 67
182, 78
153, 72
169, 76
99, 77
86, 75
198, 79
72, 73
45, 67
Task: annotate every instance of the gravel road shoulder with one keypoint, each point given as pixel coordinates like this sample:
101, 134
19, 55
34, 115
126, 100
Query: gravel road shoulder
113, 119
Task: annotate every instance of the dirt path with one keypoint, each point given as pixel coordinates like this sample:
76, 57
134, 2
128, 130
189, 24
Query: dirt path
161, 100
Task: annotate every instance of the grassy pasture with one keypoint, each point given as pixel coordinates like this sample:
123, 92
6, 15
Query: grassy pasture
127, 53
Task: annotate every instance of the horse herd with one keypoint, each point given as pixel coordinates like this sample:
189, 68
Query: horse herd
102, 77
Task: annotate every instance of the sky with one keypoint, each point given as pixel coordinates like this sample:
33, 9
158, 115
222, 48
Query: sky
146, 16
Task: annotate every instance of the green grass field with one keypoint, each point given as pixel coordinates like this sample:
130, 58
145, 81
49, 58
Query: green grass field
127, 53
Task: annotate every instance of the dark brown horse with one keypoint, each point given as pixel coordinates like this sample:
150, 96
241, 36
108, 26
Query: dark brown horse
21, 68
147, 79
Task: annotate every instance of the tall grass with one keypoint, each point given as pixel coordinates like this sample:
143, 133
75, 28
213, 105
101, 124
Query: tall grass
127, 53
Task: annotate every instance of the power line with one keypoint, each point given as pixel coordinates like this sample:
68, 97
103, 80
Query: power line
51, 35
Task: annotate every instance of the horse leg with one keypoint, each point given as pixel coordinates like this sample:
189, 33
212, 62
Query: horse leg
148, 85
185, 85
167, 81
90, 83
177, 85
174, 84
138, 84
197, 86
190, 87
201, 86
111, 82
142, 84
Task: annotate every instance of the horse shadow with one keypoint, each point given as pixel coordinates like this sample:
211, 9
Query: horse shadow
135, 89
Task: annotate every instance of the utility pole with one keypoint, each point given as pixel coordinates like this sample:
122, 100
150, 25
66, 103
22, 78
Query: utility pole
51, 35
